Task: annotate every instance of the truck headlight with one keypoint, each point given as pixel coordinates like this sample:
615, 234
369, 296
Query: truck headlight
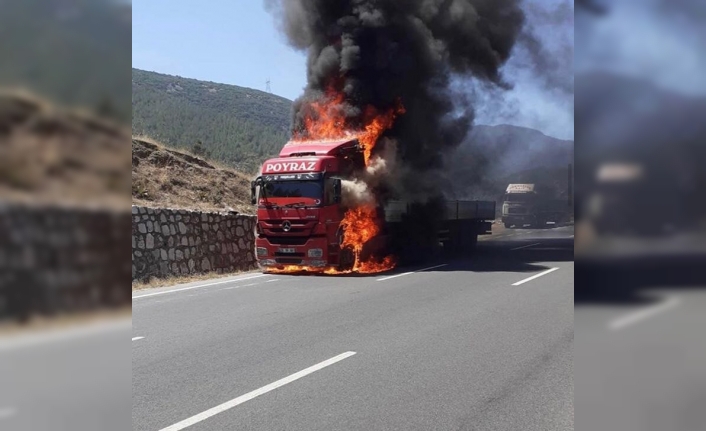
316, 252
261, 251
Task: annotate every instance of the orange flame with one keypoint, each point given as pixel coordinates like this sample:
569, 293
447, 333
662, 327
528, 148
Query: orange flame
360, 226
326, 119
375, 126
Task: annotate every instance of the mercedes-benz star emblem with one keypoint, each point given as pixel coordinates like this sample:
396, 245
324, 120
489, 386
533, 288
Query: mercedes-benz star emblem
286, 226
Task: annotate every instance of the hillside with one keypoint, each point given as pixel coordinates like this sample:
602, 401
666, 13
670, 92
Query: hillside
513, 148
494, 156
73, 52
54, 155
237, 126
165, 178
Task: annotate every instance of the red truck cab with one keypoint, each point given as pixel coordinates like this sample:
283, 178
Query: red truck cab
298, 198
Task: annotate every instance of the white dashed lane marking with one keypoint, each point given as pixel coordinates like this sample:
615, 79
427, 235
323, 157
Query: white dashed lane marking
534, 276
643, 314
256, 393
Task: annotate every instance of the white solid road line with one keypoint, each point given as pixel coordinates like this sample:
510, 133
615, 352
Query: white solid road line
642, 314
256, 393
238, 287
200, 285
525, 246
137, 338
64, 334
7, 412
534, 276
411, 272
248, 285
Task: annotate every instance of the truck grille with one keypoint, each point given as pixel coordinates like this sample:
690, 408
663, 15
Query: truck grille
287, 240
301, 227
278, 254
289, 260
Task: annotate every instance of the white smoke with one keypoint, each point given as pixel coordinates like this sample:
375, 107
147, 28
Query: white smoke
359, 191
356, 193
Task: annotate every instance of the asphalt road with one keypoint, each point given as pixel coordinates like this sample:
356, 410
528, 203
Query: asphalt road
467, 345
640, 354
70, 378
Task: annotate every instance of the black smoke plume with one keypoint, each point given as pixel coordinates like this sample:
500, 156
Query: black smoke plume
553, 67
382, 52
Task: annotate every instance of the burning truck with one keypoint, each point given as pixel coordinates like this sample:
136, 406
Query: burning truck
304, 223
360, 186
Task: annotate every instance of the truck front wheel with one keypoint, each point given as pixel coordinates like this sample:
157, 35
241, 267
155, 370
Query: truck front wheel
346, 259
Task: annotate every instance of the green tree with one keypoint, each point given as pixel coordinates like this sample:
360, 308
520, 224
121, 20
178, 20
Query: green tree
243, 126
198, 149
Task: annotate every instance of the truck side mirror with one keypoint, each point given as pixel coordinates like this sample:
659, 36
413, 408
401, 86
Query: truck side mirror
253, 197
337, 190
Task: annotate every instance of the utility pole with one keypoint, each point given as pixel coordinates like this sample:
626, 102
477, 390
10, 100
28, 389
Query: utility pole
268, 88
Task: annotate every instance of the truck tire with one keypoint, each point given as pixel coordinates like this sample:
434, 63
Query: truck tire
346, 259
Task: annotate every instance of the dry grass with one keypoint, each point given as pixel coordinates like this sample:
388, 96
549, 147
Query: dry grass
182, 279
162, 146
166, 178
149, 140
48, 154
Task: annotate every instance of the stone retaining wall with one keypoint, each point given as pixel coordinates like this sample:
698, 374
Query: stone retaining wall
56, 259
168, 242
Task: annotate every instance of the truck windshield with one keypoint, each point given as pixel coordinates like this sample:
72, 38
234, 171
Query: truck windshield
292, 189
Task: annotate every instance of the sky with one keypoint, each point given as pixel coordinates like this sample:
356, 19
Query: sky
226, 41
661, 41
237, 42
541, 96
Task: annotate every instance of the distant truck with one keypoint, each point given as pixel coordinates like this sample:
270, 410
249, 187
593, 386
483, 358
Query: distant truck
300, 209
630, 199
529, 204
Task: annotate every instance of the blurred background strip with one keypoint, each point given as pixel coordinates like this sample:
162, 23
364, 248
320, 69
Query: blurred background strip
65, 298
640, 110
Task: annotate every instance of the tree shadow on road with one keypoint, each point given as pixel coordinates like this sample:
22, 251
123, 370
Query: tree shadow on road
508, 256
629, 281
